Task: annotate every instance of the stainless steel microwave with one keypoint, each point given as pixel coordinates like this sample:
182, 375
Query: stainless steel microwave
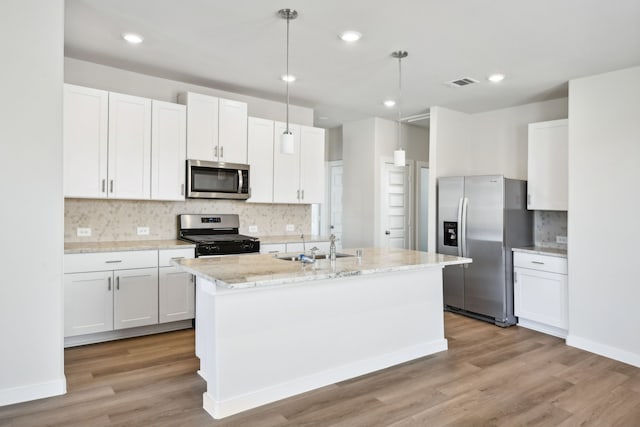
217, 180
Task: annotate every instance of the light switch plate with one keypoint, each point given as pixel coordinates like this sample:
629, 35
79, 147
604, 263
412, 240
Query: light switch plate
561, 239
84, 232
143, 231
290, 227
253, 229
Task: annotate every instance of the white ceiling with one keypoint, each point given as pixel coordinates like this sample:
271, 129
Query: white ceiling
239, 45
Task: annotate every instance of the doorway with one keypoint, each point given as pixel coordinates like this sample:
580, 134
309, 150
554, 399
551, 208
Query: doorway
396, 218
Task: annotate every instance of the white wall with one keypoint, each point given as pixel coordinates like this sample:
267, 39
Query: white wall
604, 201
489, 143
31, 319
333, 144
98, 76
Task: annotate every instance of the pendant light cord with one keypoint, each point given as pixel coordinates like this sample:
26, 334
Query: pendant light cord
287, 75
399, 99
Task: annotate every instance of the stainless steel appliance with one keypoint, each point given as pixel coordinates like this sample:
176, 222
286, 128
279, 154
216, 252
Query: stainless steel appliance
217, 180
216, 234
482, 217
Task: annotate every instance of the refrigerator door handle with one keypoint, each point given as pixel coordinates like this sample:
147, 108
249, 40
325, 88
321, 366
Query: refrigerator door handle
460, 228
465, 204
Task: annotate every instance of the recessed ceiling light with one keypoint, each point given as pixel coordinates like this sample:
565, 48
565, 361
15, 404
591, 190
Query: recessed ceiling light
288, 78
496, 78
132, 38
389, 103
350, 36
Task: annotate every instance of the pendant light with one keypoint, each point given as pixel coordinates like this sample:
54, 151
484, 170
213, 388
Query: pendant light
286, 139
399, 153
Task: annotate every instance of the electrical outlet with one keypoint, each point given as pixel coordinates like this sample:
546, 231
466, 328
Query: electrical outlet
84, 232
290, 227
143, 231
253, 229
561, 239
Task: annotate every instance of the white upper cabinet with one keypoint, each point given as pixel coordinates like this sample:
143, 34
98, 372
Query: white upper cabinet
86, 118
216, 128
129, 165
311, 165
168, 150
286, 167
547, 166
260, 158
232, 131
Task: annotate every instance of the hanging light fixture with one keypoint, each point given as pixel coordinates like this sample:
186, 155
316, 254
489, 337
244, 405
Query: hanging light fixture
286, 139
399, 153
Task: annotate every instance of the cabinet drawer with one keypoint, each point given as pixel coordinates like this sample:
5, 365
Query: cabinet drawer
166, 255
103, 261
551, 264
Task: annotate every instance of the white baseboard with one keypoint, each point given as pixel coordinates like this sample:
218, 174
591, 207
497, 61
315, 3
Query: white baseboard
220, 409
541, 327
29, 392
615, 353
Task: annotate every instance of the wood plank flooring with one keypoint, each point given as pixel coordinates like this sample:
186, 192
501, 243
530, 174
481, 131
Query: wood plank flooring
489, 377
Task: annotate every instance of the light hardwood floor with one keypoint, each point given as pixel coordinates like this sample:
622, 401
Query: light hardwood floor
489, 377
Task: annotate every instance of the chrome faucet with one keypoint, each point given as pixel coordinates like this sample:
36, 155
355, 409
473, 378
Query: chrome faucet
332, 248
304, 246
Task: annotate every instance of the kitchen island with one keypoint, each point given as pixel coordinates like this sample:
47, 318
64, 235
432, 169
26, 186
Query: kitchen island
269, 328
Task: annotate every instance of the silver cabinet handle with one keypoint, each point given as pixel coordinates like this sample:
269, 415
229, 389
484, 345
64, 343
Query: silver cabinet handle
216, 151
111, 186
537, 262
177, 258
298, 196
192, 278
109, 286
182, 189
302, 194
115, 261
222, 151
118, 282
104, 185
465, 204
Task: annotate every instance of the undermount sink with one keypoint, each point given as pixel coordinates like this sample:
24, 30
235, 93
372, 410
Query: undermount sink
292, 257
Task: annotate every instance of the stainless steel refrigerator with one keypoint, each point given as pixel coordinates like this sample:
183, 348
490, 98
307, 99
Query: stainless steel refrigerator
482, 217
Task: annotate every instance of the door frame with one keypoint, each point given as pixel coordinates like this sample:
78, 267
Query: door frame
410, 164
325, 210
418, 187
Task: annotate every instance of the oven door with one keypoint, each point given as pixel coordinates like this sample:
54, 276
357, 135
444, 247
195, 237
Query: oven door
217, 180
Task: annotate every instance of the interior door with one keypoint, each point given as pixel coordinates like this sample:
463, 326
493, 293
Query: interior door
396, 206
485, 291
450, 196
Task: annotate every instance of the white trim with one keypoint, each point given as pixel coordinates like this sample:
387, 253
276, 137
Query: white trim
325, 209
29, 392
127, 333
220, 409
419, 165
541, 327
618, 354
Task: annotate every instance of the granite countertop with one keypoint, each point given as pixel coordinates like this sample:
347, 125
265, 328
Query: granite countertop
541, 250
246, 271
133, 245
292, 238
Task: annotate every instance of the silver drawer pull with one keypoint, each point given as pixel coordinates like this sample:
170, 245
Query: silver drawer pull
177, 258
537, 262
114, 261
109, 281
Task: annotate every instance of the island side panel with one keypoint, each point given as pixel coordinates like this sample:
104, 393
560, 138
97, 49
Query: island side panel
277, 341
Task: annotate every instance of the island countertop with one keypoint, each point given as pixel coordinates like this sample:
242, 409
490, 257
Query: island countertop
246, 271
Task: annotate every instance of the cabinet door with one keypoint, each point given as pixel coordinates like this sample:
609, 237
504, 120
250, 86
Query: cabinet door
176, 297
168, 150
311, 165
286, 167
85, 126
88, 303
232, 131
548, 165
135, 300
202, 126
541, 296
260, 158
129, 147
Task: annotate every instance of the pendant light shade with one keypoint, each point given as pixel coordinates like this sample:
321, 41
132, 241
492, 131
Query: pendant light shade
287, 145
399, 157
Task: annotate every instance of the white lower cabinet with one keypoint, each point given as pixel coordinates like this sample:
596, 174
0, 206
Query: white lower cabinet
540, 293
113, 291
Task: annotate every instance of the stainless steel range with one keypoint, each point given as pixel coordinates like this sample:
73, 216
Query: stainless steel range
216, 234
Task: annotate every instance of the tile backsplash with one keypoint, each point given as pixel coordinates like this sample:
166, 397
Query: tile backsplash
548, 225
117, 220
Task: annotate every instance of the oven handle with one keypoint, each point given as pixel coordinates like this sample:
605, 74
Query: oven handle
240, 181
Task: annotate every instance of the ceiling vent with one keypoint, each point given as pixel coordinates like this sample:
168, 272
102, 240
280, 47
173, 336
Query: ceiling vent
464, 81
